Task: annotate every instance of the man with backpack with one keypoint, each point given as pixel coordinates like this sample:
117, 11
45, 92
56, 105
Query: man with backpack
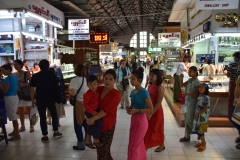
123, 74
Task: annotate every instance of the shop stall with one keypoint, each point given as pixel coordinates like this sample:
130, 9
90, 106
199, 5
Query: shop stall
32, 26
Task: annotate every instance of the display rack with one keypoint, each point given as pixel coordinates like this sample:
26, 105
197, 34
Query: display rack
92, 58
7, 48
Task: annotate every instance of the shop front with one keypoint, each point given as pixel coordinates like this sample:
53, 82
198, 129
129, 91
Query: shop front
213, 36
28, 31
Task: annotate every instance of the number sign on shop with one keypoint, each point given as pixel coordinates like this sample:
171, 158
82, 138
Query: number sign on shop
230, 19
154, 49
99, 37
169, 39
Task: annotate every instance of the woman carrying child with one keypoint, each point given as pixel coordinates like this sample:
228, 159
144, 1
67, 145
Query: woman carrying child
201, 116
191, 94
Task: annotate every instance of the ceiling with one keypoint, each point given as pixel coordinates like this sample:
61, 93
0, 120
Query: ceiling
119, 17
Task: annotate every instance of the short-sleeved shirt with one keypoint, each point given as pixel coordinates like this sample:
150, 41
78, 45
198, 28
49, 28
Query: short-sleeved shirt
76, 84
43, 81
233, 69
109, 105
181, 68
12, 91
120, 73
138, 99
191, 88
90, 101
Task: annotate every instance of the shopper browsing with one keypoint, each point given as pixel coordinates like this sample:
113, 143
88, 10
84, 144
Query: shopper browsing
9, 89
202, 113
140, 106
191, 94
90, 104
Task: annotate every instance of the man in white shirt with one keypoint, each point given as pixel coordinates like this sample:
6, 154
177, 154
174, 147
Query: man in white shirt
180, 69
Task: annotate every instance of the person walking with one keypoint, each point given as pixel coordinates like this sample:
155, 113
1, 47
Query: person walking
24, 78
233, 71
78, 86
123, 74
180, 69
140, 106
44, 82
9, 89
109, 99
192, 92
155, 133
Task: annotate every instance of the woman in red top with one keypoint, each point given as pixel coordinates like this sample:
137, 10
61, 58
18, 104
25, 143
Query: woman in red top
109, 99
155, 133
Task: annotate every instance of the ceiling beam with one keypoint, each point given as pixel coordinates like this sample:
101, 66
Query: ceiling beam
141, 11
126, 19
102, 7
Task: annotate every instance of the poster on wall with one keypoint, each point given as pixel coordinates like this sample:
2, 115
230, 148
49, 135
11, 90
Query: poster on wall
169, 39
216, 4
78, 26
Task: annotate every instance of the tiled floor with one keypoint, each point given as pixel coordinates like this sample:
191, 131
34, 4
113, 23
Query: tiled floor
220, 142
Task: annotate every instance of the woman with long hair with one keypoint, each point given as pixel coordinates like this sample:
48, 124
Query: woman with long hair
24, 78
155, 133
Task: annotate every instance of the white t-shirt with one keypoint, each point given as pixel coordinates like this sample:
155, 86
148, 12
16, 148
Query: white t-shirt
181, 68
76, 83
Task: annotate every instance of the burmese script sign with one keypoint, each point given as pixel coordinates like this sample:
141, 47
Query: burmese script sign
169, 39
216, 4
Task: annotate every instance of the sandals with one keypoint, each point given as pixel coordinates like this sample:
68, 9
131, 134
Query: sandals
237, 140
238, 146
98, 144
201, 148
14, 138
160, 149
198, 145
184, 139
22, 129
11, 134
89, 145
31, 129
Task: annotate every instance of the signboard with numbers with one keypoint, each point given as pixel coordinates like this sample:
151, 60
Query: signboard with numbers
169, 39
99, 37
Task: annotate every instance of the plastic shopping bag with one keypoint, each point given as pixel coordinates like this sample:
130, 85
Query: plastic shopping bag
184, 108
34, 116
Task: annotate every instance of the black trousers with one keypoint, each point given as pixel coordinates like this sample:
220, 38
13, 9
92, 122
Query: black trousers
42, 113
94, 130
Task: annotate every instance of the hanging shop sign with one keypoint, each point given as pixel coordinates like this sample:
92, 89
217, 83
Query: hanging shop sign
216, 4
154, 49
206, 27
99, 37
230, 20
78, 26
169, 39
105, 48
154, 43
45, 11
78, 37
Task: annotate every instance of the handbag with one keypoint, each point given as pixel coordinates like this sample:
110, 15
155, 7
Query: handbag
25, 90
34, 117
56, 92
72, 99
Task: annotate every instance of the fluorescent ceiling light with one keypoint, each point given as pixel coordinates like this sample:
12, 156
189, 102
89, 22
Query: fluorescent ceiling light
32, 35
227, 34
36, 16
54, 24
6, 33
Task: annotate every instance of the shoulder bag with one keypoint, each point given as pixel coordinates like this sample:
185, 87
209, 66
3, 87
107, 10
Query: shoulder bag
72, 99
56, 92
25, 89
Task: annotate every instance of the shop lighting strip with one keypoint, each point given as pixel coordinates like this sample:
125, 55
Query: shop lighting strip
32, 35
7, 33
227, 34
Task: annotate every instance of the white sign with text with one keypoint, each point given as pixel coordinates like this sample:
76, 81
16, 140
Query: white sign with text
78, 26
216, 4
169, 39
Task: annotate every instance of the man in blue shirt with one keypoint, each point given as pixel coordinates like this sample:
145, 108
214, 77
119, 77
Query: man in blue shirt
123, 74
